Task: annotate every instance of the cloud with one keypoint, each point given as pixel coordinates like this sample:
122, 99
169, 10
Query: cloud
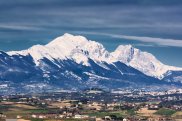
143, 18
18, 27
144, 45
158, 41
134, 17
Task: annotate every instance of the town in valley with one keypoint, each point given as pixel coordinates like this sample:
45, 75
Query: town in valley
94, 105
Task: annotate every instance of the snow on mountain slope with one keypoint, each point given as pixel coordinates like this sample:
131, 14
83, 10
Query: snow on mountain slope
80, 49
143, 61
67, 46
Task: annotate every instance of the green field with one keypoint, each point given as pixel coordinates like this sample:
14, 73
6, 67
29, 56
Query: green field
165, 112
102, 114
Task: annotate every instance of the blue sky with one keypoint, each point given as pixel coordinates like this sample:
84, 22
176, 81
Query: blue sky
150, 25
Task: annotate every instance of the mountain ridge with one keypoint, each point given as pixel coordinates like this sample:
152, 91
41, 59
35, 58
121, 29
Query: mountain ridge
80, 49
73, 65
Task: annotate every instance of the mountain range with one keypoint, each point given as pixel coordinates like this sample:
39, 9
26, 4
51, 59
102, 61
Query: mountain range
75, 63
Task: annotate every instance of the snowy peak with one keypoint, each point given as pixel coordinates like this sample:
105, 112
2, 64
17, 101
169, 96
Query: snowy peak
80, 49
67, 46
124, 53
143, 61
127, 54
67, 40
122, 47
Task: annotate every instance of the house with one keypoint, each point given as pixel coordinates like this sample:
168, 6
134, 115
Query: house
41, 116
34, 116
107, 118
99, 119
62, 116
2, 115
125, 119
153, 107
18, 116
81, 116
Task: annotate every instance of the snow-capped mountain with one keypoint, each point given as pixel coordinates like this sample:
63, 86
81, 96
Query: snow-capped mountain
67, 46
80, 49
143, 61
73, 62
